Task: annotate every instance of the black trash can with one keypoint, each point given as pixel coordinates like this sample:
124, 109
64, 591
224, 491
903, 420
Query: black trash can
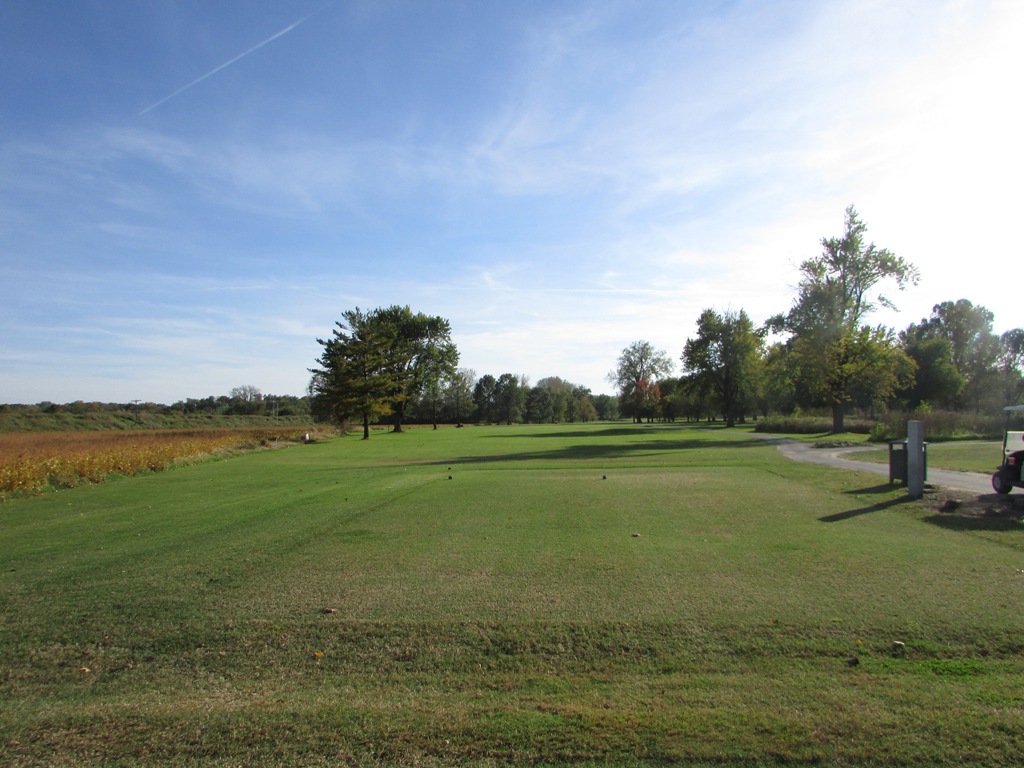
899, 461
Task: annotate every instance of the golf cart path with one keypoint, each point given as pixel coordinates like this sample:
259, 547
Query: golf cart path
971, 482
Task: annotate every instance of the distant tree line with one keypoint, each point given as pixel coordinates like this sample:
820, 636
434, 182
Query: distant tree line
389, 364
819, 357
245, 400
822, 355
510, 399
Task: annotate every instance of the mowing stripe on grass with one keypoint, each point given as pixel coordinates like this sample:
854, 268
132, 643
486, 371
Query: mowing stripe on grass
346, 601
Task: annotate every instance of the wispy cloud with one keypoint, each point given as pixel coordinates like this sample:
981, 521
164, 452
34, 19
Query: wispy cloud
603, 177
229, 62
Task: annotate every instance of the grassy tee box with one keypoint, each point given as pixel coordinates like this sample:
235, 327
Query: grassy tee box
487, 596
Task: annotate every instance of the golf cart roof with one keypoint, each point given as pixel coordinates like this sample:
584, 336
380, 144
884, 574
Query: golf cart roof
1014, 409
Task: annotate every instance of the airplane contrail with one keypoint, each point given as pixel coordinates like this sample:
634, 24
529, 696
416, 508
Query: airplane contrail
228, 63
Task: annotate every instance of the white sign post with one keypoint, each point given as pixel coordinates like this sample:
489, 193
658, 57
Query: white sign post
915, 459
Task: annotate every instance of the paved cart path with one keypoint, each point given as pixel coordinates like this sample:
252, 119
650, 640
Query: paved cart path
971, 482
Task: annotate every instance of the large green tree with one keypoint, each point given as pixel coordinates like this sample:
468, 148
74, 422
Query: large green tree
606, 406
967, 327
776, 390
376, 361
459, 393
510, 393
356, 376
690, 400
670, 399
421, 353
554, 400
974, 349
831, 343
1011, 365
484, 398
559, 397
538, 406
723, 360
639, 367
871, 367
581, 405
937, 382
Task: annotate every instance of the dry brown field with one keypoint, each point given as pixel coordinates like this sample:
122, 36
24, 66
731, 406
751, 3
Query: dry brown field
31, 462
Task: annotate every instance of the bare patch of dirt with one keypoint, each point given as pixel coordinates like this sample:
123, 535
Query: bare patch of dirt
966, 505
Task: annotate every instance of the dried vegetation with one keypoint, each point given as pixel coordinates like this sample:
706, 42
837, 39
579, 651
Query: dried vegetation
33, 462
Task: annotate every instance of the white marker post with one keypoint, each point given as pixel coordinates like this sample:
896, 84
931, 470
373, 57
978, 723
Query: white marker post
915, 459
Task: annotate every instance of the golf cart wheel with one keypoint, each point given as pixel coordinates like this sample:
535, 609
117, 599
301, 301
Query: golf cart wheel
1000, 484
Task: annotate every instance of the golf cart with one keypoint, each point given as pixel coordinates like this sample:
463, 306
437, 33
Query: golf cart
1008, 477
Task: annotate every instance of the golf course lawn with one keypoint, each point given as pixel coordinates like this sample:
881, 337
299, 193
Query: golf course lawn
577, 594
973, 456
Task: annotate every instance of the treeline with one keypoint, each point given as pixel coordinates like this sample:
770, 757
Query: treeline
511, 399
391, 365
245, 406
246, 400
822, 357
465, 398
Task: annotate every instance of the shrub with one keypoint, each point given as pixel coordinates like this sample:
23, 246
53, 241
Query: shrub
939, 425
799, 424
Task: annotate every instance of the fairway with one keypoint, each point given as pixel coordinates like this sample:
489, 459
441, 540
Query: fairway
577, 594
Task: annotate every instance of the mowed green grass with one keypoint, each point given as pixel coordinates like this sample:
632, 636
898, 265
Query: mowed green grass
347, 603
973, 456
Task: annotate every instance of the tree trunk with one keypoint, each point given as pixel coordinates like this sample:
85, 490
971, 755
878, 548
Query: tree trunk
837, 419
399, 415
366, 426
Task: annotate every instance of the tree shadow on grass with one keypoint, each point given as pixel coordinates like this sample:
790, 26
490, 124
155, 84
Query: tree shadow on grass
889, 503
617, 431
589, 451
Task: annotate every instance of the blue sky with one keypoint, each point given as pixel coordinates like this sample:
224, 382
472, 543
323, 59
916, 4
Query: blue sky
192, 192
